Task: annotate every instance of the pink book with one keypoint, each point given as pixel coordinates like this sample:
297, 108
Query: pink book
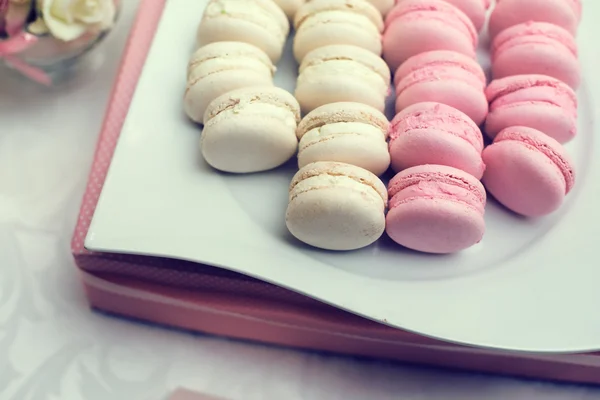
211, 300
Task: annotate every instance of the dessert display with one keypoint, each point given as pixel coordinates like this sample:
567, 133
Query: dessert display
443, 77
436, 209
250, 130
507, 13
534, 101
219, 67
336, 206
434, 142
536, 48
258, 22
320, 23
528, 171
417, 26
337, 73
434, 133
350, 133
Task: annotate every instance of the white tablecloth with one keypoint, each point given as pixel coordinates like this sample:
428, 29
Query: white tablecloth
53, 347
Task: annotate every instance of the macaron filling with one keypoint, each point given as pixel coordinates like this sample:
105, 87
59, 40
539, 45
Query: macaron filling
437, 11
363, 9
261, 104
441, 64
408, 179
438, 191
340, 17
310, 123
333, 131
435, 74
539, 144
534, 33
551, 95
430, 120
327, 181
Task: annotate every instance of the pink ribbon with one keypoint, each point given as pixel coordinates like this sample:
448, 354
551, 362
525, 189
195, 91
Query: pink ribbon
12, 46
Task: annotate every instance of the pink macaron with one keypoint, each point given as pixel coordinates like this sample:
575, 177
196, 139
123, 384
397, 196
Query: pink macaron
536, 48
416, 26
434, 133
528, 172
436, 209
445, 77
507, 13
534, 101
474, 9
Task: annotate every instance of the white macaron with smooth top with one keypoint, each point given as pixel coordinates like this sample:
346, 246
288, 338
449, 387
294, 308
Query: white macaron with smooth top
336, 206
250, 130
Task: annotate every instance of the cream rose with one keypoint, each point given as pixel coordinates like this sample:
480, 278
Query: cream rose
69, 19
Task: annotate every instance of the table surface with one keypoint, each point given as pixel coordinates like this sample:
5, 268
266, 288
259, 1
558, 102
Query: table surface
53, 347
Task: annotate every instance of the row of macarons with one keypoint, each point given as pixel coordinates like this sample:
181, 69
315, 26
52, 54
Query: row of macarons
529, 37
259, 128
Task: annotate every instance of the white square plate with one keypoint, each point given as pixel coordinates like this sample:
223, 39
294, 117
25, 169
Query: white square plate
530, 285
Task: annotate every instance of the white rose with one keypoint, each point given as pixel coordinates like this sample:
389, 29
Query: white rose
69, 19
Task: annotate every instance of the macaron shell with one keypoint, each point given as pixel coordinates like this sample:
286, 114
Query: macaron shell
523, 179
335, 27
252, 145
359, 7
403, 40
201, 92
352, 143
457, 94
340, 81
436, 226
537, 48
548, 118
343, 112
507, 13
474, 9
336, 218
428, 146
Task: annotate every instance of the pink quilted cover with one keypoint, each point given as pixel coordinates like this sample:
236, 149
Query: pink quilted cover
203, 298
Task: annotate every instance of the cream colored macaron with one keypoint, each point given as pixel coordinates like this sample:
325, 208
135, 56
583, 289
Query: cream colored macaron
250, 130
290, 7
336, 206
337, 73
258, 22
219, 67
320, 23
351, 133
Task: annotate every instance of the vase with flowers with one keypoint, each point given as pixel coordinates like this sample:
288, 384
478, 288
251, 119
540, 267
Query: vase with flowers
45, 39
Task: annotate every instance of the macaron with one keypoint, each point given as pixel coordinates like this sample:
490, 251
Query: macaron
250, 130
434, 133
436, 209
417, 26
536, 48
351, 133
290, 7
342, 73
528, 172
320, 23
476, 10
507, 13
258, 22
535, 101
444, 77
336, 206
220, 67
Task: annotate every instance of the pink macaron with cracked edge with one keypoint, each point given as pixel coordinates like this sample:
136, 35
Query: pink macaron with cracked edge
507, 13
416, 26
436, 209
476, 10
434, 133
536, 48
534, 101
444, 77
528, 172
